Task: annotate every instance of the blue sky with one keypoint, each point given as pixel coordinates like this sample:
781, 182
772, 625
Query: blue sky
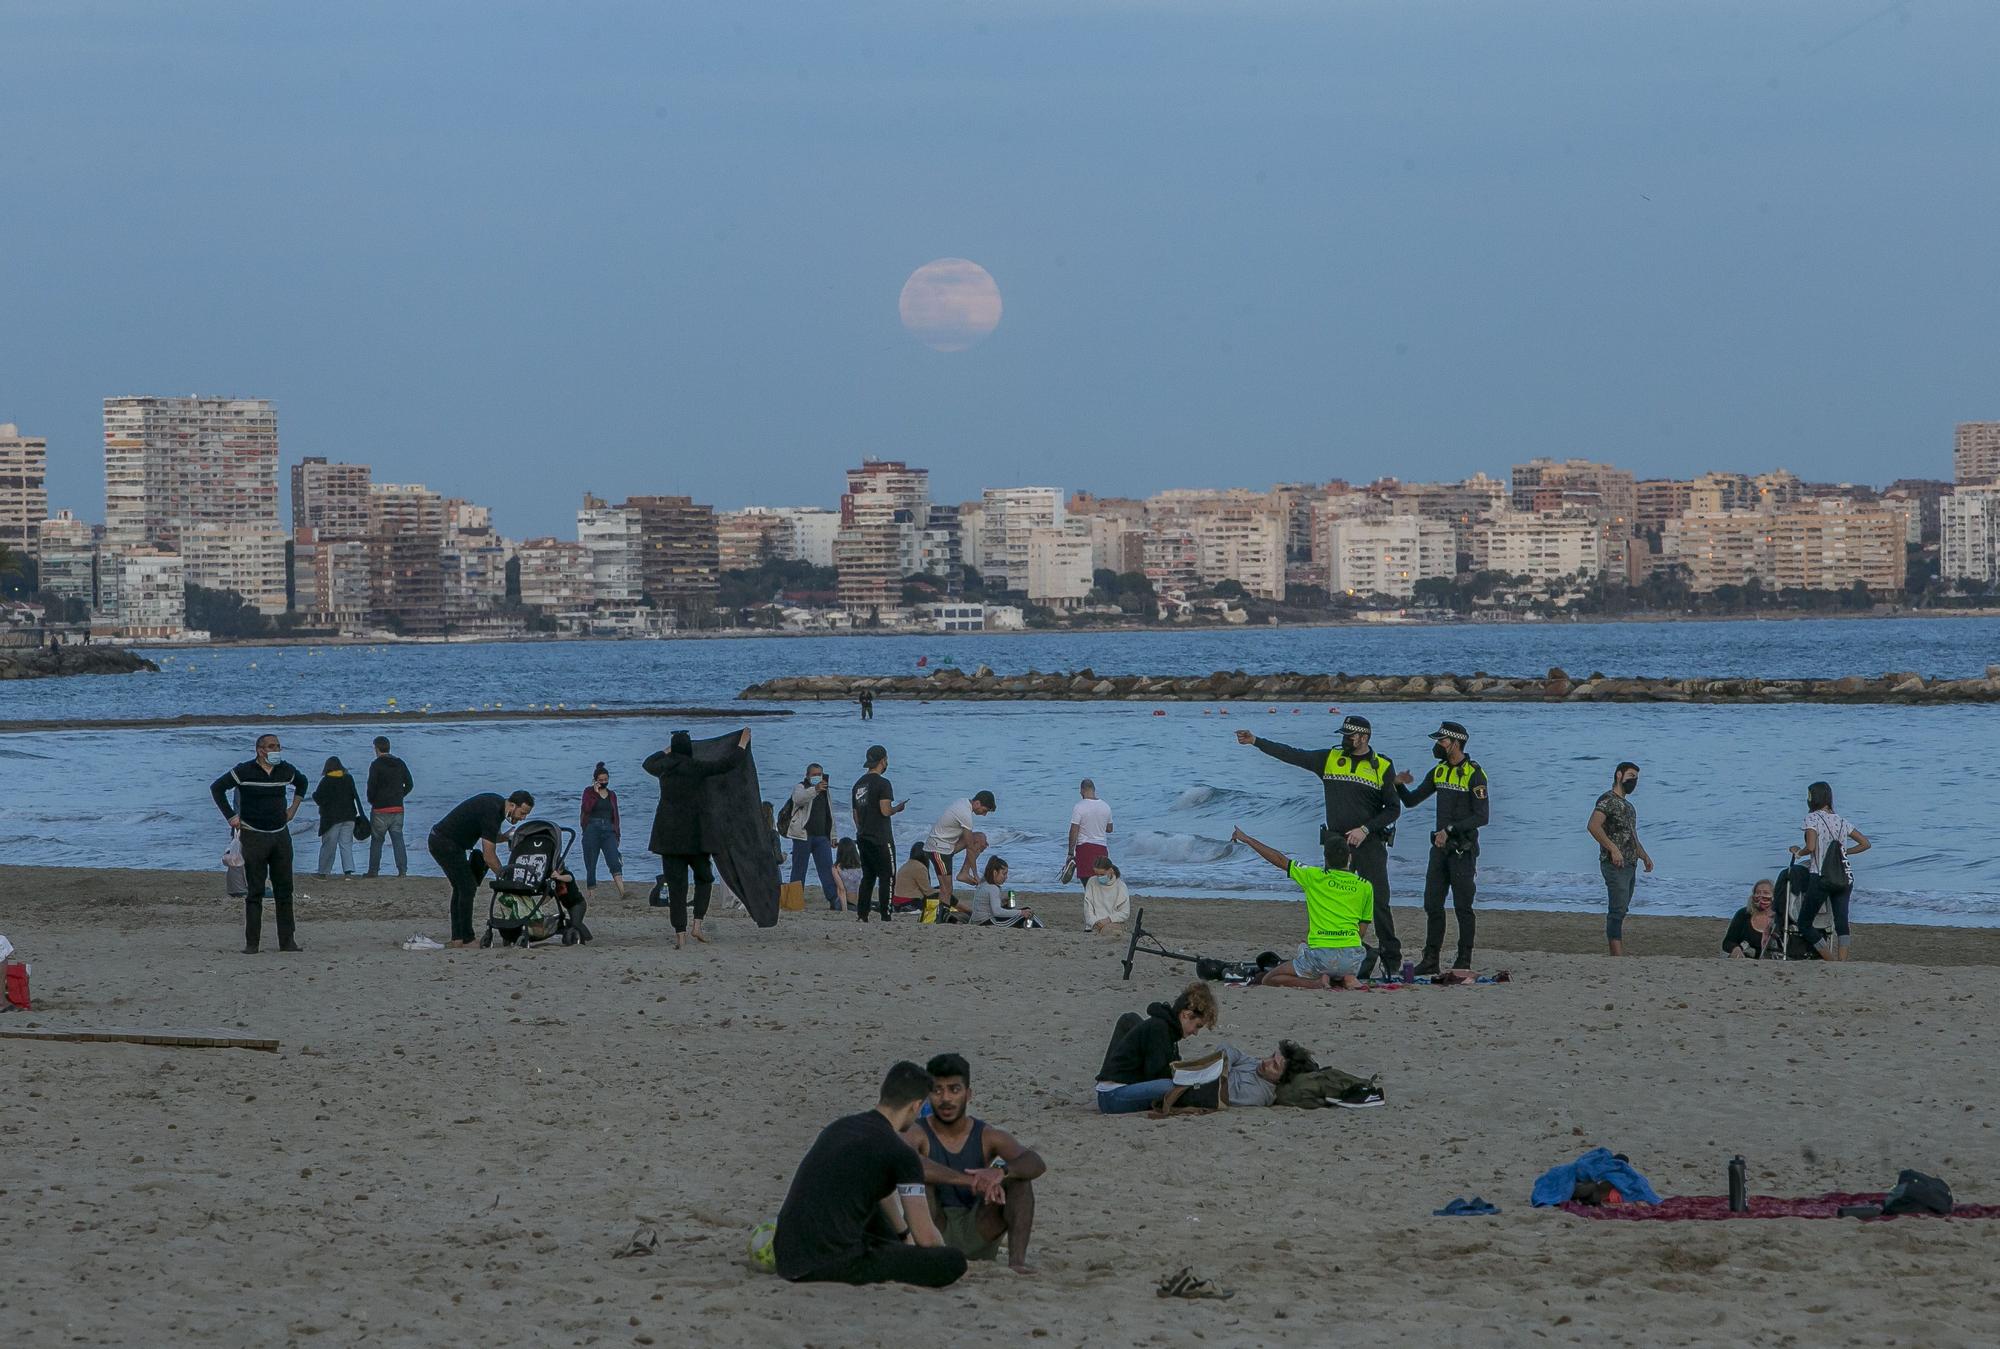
519, 251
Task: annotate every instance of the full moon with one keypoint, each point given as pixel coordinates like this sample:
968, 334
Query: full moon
950, 304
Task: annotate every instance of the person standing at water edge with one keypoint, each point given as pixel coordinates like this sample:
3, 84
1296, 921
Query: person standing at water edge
955, 832
1089, 832
339, 807
465, 845
677, 835
1830, 842
875, 806
388, 783
1361, 808
263, 817
809, 827
1462, 811
1615, 826
601, 831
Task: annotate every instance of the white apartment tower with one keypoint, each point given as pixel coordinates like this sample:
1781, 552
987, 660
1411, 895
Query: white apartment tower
24, 492
171, 464
1388, 555
1009, 517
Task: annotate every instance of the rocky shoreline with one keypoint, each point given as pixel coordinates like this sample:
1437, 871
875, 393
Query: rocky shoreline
1557, 686
41, 662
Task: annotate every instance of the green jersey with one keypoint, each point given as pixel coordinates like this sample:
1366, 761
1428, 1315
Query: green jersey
1337, 903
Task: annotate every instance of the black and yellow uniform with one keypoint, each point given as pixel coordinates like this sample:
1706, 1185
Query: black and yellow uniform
1462, 811
1360, 794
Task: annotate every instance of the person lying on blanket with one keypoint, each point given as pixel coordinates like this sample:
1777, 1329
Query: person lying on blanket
1338, 906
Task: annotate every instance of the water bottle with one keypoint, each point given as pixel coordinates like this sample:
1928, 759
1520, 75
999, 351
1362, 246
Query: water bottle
1409, 970
1739, 1199
1010, 900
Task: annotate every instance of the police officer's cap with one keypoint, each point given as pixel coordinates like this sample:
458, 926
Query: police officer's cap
1356, 723
1450, 730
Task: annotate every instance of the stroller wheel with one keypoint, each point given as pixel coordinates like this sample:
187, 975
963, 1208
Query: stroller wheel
487, 939
569, 937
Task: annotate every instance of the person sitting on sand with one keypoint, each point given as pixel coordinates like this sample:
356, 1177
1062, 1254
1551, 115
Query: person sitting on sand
913, 881
1106, 901
989, 902
1138, 1069
955, 1138
1338, 904
858, 1211
1750, 930
955, 832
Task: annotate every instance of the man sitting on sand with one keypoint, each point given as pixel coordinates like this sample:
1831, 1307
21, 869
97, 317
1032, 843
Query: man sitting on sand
858, 1212
954, 1138
1338, 903
955, 832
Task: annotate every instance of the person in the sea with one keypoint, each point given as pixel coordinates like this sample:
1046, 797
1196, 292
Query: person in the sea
1338, 904
951, 1135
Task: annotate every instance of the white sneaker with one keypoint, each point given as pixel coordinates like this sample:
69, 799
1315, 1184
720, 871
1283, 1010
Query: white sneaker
420, 942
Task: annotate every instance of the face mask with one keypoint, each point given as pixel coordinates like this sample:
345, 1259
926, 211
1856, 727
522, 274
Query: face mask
1437, 750
1630, 785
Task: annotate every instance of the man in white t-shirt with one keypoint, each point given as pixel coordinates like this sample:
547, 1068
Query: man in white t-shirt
1089, 832
957, 831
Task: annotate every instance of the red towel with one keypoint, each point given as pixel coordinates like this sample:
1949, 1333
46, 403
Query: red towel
1714, 1207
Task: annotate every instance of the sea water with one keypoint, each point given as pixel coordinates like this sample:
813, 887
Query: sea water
1722, 795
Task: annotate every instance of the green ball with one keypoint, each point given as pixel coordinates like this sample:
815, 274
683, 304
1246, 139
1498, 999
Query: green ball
763, 1251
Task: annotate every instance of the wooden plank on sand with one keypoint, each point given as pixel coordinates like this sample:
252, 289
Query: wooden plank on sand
204, 1037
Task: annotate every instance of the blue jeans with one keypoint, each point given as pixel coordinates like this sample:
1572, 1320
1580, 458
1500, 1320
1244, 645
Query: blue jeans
339, 839
1618, 895
390, 824
819, 849
600, 837
1133, 1097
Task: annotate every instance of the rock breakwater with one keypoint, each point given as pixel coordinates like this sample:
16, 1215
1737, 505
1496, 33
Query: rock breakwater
41, 662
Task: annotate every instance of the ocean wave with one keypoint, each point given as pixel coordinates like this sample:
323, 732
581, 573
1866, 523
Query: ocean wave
1177, 849
1233, 803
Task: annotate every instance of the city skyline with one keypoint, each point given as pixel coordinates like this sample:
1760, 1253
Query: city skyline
1414, 239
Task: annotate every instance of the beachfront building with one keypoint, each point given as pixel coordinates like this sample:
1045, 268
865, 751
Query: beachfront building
1059, 571
1172, 558
171, 464
555, 576
67, 566
1660, 500
1463, 505
1719, 548
1540, 546
472, 560
331, 500
1010, 517
248, 560
1975, 452
330, 580
883, 515
1715, 493
811, 533
1969, 535
24, 490
612, 549
677, 553
1245, 546
1389, 555
151, 594
1928, 493
1115, 545
747, 539
1606, 493
1833, 544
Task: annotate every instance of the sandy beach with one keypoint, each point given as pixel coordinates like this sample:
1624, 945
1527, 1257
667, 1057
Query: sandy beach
449, 1148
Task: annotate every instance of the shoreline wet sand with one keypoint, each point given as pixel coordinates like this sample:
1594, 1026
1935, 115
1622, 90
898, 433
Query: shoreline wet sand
449, 1147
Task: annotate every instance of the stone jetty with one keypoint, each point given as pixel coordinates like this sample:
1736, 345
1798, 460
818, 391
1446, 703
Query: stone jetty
40, 662
1557, 686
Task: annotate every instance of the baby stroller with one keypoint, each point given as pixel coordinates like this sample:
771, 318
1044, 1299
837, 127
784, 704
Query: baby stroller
535, 899
1788, 894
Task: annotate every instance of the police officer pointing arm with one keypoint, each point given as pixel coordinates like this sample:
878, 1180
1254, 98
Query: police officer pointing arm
1462, 811
1362, 806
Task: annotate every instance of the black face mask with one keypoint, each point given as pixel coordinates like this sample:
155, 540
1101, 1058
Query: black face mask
1347, 743
1437, 750
1629, 784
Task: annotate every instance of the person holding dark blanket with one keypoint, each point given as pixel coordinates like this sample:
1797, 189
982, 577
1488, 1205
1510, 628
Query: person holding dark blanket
465, 845
1138, 1069
677, 831
1459, 784
1361, 803
858, 1211
263, 818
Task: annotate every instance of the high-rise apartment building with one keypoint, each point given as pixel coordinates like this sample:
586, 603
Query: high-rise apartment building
1607, 493
472, 558
1975, 452
883, 515
24, 489
614, 552
677, 553
1172, 557
1716, 493
1660, 500
1245, 545
151, 593
1388, 555
67, 566
330, 580
1009, 516
1542, 547
330, 499
171, 464
408, 508
1833, 545
747, 539
1719, 548
1059, 571
555, 576
246, 559
1969, 535
1462, 505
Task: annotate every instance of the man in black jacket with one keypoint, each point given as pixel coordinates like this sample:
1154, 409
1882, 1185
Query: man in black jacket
263, 818
466, 845
388, 783
1138, 1069
677, 834
1462, 811
1361, 804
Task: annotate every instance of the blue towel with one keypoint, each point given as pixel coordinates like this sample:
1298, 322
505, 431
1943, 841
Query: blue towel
1559, 1183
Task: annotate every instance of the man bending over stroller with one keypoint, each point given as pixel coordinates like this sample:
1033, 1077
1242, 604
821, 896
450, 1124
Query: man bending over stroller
1337, 905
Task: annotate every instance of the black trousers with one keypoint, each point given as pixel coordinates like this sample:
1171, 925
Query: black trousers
878, 869
675, 868
887, 1261
267, 855
1453, 871
1371, 862
463, 869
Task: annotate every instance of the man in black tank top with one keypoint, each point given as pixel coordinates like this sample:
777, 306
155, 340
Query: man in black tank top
951, 1137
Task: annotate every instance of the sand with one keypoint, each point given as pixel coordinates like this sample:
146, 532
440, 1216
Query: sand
450, 1147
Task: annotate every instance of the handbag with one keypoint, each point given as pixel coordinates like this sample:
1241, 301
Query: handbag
235, 880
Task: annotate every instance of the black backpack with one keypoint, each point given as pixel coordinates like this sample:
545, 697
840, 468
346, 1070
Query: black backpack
1833, 872
1916, 1192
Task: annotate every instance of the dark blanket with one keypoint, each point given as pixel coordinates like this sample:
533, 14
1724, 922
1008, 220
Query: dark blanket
1715, 1207
732, 827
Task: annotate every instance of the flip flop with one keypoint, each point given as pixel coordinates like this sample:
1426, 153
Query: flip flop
1187, 1284
644, 1242
1474, 1207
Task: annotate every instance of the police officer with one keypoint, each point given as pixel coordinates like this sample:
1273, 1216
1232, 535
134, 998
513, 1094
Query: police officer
1460, 787
1361, 803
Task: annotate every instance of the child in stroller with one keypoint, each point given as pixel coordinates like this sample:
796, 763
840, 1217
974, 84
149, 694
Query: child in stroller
1789, 939
536, 900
